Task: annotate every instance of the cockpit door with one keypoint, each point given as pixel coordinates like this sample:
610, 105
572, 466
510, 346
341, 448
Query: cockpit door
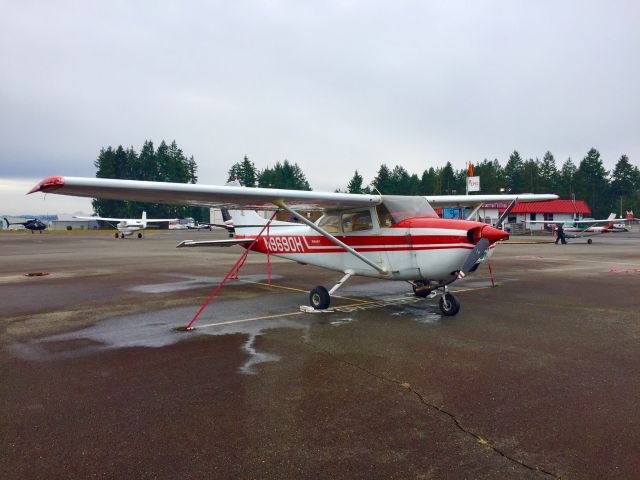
398, 246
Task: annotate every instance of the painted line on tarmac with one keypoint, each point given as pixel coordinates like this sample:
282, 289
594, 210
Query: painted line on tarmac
254, 319
360, 305
294, 289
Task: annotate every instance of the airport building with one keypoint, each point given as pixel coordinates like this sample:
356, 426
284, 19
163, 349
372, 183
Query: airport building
525, 212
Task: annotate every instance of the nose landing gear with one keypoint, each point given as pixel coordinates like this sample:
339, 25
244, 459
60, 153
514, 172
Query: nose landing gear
449, 305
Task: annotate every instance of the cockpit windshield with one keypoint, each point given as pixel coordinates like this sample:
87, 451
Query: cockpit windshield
398, 207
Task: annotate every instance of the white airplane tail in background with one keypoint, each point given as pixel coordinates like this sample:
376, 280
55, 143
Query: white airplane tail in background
249, 222
144, 219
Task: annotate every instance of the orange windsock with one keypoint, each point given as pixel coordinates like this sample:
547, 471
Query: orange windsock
470, 169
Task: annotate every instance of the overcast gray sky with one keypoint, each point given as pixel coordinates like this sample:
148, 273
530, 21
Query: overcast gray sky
331, 85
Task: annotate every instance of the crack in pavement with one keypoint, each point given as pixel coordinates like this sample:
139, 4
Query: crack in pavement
439, 409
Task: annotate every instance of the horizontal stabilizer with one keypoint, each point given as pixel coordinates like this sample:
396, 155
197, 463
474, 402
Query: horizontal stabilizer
216, 243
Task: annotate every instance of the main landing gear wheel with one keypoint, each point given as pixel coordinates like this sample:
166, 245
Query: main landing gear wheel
139, 235
319, 298
449, 305
122, 235
116, 235
589, 241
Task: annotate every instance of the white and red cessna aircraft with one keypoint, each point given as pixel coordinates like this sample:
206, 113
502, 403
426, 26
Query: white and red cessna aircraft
384, 236
587, 227
129, 226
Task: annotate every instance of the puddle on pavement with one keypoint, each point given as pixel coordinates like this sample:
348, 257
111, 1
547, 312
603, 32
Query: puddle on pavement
191, 282
157, 329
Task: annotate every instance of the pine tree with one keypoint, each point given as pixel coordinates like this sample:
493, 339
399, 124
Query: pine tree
548, 174
355, 184
414, 185
400, 181
566, 183
624, 183
449, 181
429, 182
514, 173
382, 180
245, 172
530, 175
592, 183
284, 175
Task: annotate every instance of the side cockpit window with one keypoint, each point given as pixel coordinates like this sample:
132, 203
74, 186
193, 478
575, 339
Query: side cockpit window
356, 221
330, 223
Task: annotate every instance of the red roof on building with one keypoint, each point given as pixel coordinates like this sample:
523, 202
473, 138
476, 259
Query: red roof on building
553, 206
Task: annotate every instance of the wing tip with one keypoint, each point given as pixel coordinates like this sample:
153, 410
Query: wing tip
48, 185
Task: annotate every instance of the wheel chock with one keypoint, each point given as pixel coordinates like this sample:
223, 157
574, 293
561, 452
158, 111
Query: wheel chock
183, 329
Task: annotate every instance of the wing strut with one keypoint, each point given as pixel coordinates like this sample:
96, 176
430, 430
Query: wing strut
281, 204
506, 213
474, 213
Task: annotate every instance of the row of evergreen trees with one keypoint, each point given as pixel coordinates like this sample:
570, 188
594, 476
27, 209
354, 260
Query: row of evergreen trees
167, 163
282, 175
604, 191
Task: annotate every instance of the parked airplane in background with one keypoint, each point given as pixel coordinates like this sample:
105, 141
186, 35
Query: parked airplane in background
32, 224
587, 228
129, 226
384, 236
200, 226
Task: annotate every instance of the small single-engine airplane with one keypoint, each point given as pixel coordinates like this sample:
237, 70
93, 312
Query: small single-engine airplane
587, 228
383, 236
32, 224
200, 226
129, 226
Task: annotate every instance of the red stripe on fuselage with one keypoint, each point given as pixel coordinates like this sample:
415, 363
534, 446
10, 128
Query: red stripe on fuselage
369, 243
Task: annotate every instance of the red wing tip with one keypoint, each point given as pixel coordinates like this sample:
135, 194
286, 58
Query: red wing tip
47, 185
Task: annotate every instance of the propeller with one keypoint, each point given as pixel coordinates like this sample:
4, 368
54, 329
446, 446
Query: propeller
483, 237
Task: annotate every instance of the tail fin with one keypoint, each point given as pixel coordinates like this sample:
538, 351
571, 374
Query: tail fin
241, 218
247, 220
7, 220
611, 217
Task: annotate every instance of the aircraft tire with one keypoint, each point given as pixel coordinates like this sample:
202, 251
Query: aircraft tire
122, 235
450, 307
116, 235
589, 241
139, 235
319, 298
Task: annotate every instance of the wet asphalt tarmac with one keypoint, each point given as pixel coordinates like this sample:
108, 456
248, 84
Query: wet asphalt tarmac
536, 378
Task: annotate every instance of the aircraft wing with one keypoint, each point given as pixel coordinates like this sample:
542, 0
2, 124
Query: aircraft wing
457, 201
205, 195
104, 219
228, 242
243, 197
